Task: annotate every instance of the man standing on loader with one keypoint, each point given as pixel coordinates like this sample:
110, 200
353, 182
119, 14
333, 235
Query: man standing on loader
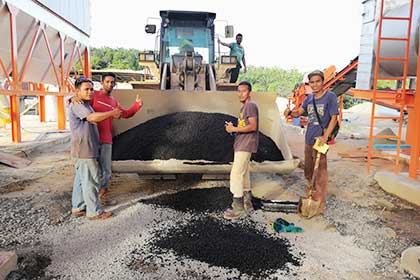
246, 143
321, 126
236, 49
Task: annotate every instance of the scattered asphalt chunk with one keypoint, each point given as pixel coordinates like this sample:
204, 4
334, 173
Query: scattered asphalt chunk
195, 200
31, 266
239, 246
186, 136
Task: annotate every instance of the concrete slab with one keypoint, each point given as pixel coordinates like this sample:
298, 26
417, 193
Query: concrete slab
33, 131
8, 263
400, 185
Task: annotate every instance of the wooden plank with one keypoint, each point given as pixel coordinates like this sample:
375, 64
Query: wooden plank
353, 155
360, 152
13, 161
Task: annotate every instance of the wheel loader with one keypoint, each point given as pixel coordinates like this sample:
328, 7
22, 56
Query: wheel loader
184, 76
186, 58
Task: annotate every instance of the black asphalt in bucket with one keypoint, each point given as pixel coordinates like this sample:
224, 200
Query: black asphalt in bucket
186, 136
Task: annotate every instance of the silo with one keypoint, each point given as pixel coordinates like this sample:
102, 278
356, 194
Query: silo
40, 42
369, 40
396, 49
68, 18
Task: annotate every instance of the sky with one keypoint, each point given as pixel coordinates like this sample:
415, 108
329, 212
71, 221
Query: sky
294, 34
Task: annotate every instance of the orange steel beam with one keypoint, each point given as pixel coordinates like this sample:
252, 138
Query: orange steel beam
60, 99
79, 53
47, 43
14, 100
329, 73
30, 52
415, 144
411, 129
71, 87
67, 73
383, 95
341, 74
3, 68
22, 42
86, 69
375, 88
404, 88
21, 92
41, 103
340, 117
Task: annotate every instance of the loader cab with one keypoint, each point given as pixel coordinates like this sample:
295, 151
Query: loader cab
185, 58
179, 28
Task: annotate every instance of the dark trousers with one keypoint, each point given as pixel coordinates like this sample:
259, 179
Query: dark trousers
234, 73
321, 180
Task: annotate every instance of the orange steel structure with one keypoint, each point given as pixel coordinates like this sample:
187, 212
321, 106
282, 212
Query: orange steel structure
300, 92
61, 73
302, 89
402, 99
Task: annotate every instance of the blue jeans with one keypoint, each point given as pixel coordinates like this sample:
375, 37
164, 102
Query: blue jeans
85, 187
105, 160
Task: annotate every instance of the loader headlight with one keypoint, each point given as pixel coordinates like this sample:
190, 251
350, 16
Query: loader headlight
147, 57
226, 59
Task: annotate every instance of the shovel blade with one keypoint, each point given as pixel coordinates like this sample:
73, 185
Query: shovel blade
308, 207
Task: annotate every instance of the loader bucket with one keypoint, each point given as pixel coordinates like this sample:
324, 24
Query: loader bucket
159, 103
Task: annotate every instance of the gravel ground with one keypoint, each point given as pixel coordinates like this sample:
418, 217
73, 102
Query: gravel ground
21, 223
65, 250
361, 236
353, 209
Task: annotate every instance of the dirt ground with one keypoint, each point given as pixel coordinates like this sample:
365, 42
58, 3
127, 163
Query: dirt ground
361, 235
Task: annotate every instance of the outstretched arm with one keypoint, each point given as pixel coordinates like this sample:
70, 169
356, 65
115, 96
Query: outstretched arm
128, 113
223, 44
294, 113
100, 116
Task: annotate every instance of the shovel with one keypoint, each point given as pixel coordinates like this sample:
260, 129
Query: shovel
308, 207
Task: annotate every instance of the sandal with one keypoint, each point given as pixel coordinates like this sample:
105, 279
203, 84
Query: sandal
78, 213
102, 216
105, 201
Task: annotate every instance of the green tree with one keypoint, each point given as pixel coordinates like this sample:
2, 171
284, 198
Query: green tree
272, 79
119, 58
349, 101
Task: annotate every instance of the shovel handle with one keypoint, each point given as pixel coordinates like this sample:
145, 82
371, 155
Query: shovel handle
315, 173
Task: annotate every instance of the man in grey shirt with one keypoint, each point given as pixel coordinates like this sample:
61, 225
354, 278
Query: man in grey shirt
85, 151
246, 143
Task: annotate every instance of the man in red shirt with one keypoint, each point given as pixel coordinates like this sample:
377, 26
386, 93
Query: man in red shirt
104, 102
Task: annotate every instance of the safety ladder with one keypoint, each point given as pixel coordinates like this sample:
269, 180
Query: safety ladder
399, 95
